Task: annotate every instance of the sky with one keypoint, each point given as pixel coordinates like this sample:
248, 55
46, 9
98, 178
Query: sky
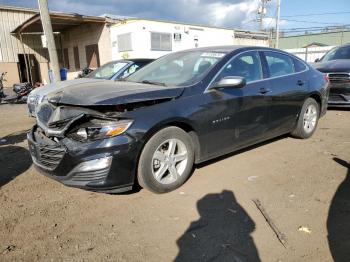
222, 13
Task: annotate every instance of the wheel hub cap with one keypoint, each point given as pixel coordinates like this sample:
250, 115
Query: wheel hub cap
169, 161
310, 118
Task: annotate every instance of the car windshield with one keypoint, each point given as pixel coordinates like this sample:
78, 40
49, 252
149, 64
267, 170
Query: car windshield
337, 53
178, 69
107, 70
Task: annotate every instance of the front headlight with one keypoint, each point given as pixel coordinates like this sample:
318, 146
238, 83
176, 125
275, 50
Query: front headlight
33, 99
100, 129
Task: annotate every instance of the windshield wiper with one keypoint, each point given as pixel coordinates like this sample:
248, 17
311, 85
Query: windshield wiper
122, 79
153, 83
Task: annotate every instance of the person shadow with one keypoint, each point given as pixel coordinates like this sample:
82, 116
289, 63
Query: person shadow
338, 222
222, 233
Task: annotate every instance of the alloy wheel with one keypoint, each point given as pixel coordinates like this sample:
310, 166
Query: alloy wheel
310, 118
169, 161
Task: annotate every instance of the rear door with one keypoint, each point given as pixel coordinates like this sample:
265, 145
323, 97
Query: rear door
288, 80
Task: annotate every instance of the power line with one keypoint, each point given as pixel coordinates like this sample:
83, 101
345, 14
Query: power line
317, 27
333, 13
310, 22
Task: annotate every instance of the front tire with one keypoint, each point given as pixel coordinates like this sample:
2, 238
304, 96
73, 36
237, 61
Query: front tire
308, 119
166, 160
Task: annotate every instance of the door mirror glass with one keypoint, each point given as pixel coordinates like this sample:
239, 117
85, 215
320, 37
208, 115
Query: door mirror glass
317, 60
230, 82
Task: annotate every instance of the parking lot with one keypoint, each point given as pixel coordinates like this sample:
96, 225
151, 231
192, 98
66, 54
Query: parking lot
302, 185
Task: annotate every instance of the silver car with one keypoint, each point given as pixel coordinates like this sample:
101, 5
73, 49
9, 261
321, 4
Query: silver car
111, 71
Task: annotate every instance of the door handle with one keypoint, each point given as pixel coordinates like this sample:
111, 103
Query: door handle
264, 90
300, 82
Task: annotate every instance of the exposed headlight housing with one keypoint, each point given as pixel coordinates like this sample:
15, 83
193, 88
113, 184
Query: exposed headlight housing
44, 99
33, 99
99, 129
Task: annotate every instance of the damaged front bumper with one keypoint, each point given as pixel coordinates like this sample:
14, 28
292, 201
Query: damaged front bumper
106, 165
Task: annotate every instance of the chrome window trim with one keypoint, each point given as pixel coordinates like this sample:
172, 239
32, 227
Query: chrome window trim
264, 79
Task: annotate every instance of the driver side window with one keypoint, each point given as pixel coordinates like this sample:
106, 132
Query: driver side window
246, 65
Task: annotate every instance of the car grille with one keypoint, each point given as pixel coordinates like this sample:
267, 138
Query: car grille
49, 156
336, 98
339, 78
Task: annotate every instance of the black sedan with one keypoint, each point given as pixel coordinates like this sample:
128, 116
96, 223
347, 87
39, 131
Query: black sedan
336, 64
184, 108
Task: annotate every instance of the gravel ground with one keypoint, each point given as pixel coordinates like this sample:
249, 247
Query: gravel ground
302, 185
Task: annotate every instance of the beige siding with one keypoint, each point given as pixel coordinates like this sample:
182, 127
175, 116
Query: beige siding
104, 45
12, 75
81, 36
10, 46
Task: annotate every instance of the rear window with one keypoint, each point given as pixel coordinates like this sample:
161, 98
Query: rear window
279, 64
299, 66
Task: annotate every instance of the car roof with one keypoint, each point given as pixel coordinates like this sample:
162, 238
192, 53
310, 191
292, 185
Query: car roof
132, 60
140, 59
344, 45
230, 48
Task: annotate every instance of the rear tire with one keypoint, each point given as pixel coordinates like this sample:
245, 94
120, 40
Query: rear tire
308, 119
166, 160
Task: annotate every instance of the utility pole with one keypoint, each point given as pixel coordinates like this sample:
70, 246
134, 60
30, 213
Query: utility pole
262, 13
51, 45
278, 22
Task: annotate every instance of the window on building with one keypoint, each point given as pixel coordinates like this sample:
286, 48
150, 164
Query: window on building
124, 42
279, 64
161, 41
66, 58
76, 58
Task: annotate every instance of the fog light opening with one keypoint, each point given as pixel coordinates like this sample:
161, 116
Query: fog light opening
96, 164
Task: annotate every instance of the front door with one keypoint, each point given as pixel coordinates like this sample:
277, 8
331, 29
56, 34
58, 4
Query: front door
237, 117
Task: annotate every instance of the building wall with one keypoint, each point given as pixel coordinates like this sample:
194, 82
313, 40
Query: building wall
309, 54
12, 73
81, 36
10, 46
251, 41
141, 37
329, 39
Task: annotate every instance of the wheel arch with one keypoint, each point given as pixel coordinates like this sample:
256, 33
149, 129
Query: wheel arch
318, 99
185, 125
180, 123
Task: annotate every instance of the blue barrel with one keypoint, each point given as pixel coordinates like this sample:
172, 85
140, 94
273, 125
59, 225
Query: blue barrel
63, 73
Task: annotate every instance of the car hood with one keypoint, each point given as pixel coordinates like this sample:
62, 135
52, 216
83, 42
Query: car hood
44, 90
341, 65
106, 92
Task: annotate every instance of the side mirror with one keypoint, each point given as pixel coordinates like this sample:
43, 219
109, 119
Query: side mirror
317, 60
230, 82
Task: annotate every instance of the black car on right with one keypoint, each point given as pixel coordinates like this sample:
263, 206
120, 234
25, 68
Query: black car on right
336, 64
